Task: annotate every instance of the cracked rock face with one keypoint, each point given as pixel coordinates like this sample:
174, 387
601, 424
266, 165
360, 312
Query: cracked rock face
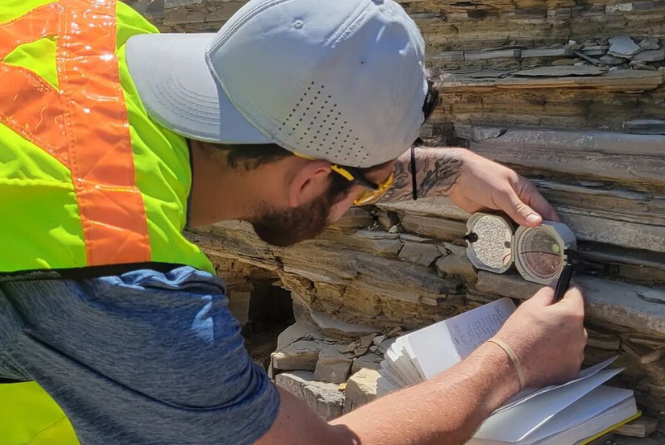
588, 132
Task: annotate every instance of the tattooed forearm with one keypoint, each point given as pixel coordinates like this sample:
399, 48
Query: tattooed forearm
401, 189
437, 170
440, 174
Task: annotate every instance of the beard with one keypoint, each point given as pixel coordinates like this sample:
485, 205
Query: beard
288, 227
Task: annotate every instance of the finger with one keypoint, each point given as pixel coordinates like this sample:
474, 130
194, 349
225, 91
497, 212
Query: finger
531, 195
521, 213
544, 297
574, 298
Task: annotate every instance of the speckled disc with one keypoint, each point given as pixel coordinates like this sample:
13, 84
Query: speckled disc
491, 246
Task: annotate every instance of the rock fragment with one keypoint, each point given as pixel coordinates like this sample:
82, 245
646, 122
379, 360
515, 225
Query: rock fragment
419, 253
650, 43
611, 60
332, 366
655, 55
370, 360
324, 398
566, 62
339, 329
361, 389
299, 355
624, 47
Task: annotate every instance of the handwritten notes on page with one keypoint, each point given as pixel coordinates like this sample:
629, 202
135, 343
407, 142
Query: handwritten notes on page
442, 345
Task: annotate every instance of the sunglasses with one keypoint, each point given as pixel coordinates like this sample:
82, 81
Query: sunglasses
373, 191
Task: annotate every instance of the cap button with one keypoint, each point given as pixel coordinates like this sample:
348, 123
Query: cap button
298, 24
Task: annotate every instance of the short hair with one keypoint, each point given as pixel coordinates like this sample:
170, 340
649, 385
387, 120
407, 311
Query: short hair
251, 157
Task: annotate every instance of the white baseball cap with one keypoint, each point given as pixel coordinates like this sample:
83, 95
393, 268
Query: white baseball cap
341, 80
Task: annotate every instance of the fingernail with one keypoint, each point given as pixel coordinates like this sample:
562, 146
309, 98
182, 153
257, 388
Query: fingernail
533, 219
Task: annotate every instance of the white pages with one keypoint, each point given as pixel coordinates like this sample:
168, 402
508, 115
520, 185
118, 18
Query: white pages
555, 415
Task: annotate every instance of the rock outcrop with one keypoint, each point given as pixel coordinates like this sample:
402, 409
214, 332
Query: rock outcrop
569, 93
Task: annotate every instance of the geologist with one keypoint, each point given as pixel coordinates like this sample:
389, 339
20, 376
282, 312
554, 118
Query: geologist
114, 328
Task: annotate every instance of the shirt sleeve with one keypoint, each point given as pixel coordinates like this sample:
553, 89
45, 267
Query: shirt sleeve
146, 358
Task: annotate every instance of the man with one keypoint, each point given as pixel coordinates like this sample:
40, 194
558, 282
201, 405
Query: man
113, 138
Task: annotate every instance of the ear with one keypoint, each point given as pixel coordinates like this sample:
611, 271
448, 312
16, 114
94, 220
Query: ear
310, 181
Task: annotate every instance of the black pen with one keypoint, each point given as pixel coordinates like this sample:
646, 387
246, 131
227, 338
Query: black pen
564, 281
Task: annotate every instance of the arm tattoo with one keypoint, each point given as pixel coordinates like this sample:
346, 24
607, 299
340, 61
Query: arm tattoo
440, 176
437, 171
401, 189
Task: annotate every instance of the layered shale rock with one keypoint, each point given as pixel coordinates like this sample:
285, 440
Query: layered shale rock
569, 93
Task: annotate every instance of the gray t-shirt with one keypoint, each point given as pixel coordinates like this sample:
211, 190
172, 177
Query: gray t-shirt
142, 358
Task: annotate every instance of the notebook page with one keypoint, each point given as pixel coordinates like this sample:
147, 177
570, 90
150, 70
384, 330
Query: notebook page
481, 324
584, 410
408, 350
393, 355
444, 344
388, 382
530, 393
404, 361
604, 422
615, 416
514, 424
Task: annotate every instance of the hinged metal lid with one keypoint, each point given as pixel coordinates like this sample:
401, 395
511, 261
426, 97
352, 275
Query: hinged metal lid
490, 241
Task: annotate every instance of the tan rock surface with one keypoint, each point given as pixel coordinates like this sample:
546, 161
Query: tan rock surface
593, 143
361, 389
324, 398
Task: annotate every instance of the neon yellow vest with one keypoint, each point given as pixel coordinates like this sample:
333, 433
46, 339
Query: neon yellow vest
86, 177
28, 416
121, 213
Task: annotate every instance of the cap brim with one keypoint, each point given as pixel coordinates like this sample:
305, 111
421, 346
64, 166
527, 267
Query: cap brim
180, 93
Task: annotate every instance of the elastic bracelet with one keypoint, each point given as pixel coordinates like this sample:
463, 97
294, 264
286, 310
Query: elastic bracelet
513, 357
414, 179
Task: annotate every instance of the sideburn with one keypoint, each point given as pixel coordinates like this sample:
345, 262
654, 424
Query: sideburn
286, 228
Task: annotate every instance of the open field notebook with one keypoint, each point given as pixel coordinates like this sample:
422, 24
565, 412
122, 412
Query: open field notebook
574, 413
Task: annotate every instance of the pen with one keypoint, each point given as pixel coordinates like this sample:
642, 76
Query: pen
564, 282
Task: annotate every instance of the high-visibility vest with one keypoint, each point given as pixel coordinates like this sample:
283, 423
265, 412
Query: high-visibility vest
86, 177
28, 416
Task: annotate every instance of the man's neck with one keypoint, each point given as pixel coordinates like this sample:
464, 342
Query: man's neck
219, 193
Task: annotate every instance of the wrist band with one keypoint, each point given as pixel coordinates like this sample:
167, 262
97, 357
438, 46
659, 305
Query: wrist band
516, 361
414, 180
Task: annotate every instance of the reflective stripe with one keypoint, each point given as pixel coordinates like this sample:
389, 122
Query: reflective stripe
100, 147
28, 104
84, 125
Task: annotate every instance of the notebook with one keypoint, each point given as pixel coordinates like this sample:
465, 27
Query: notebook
573, 413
